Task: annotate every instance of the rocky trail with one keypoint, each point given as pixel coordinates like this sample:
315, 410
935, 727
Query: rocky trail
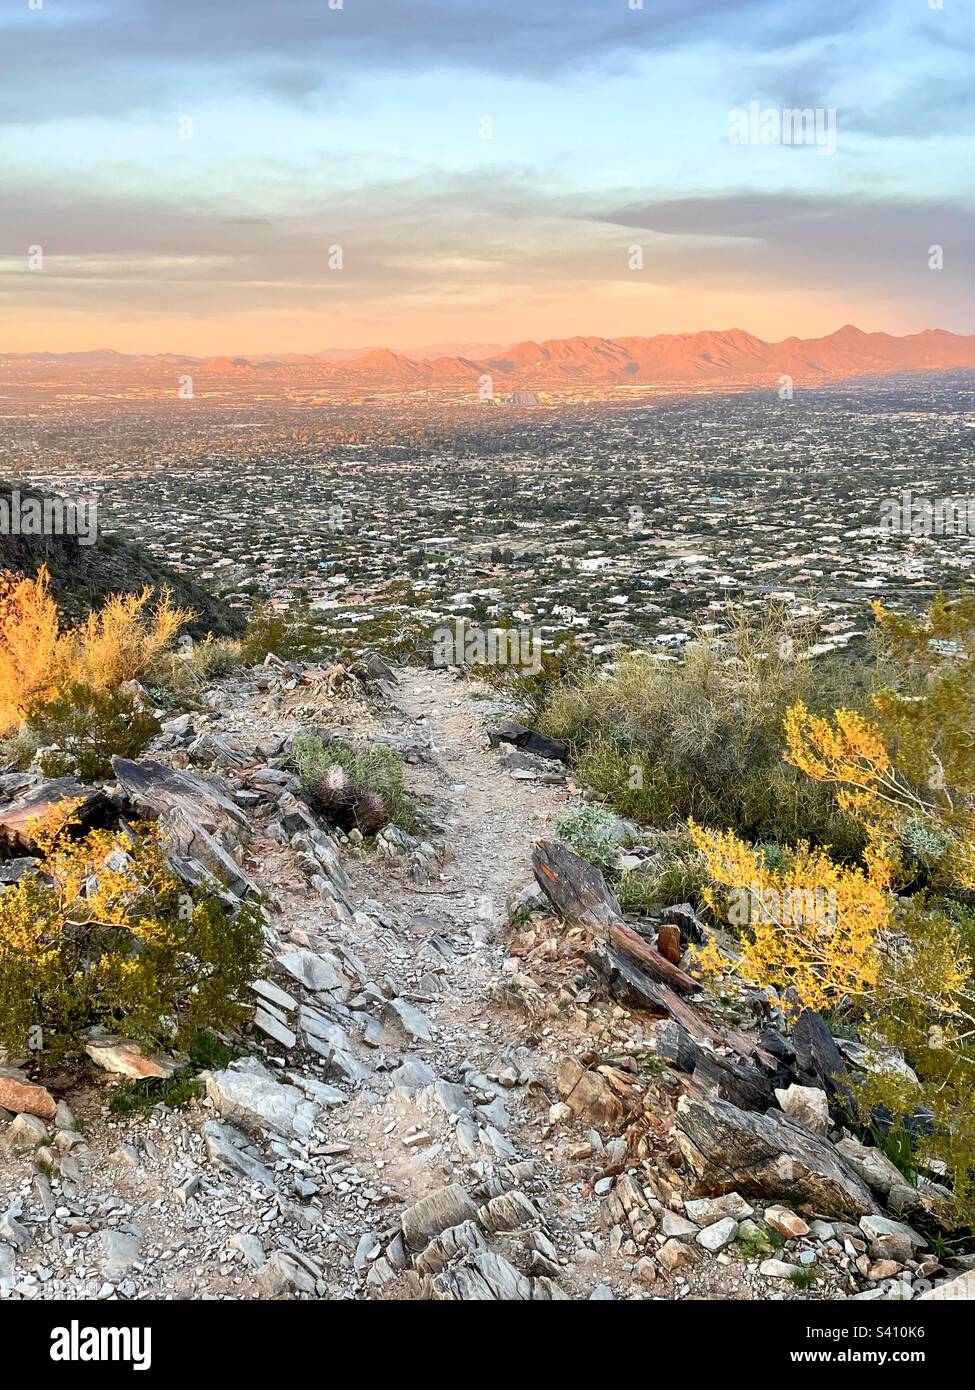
437, 1097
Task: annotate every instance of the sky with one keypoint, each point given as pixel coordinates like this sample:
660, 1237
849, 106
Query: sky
239, 176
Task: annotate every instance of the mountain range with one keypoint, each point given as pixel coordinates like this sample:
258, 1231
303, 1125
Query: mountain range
730, 355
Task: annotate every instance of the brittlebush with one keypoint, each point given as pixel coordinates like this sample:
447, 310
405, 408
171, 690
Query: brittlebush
814, 926
39, 660
909, 771
906, 773
28, 645
109, 937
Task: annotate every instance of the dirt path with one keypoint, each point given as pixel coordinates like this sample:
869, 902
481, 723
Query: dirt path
425, 1040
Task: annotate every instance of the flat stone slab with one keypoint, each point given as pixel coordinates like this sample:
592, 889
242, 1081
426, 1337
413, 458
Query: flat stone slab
249, 1095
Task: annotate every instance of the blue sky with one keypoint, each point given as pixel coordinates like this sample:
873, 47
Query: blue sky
363, 126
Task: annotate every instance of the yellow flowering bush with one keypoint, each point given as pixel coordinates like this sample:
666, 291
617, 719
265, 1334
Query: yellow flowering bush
39, 660
810, 924
105, 935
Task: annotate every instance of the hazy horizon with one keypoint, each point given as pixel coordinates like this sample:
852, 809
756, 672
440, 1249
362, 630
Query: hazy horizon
340, 353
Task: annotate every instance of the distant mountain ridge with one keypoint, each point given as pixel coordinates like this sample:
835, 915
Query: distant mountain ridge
732, 354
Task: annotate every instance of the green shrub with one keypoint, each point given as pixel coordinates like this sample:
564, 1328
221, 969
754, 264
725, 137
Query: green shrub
114, 940
86, 727
592, 832
205, 1052
396, 635
675, 872
175, 678
924, 846
214, 657
703, 737
560, 659
291, 635
371, 766
759, 1240
922, 1007
18, 751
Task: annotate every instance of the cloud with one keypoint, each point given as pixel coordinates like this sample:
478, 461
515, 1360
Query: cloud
838, 244
460, 237
105, 60
926, 109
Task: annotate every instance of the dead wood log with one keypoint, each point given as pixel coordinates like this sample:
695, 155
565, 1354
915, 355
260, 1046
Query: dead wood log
733, 1077
634, 987
582, 898
734, 1150
575, 888
628, 941
95, 810
529, 741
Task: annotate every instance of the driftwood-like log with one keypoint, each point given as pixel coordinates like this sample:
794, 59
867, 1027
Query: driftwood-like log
582, 898
733, 1078
628, 941
575, 888
520, 736
635, 973
734, 1150
634, 987
95, 810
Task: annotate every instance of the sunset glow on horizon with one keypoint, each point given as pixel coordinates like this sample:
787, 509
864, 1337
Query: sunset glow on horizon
487, 173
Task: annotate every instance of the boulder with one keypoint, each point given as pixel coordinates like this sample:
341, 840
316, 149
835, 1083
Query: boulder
807, 1106
155, 790
322, 974
25, 1134
94, 810
13, 870
719, 1235
403, 1021
786, 1222
282, 1274
436, 1213
877, 1171
249, 1095
674, 1255
119, 1251
520, 736
24, 1098
882, 1231
456, 1241
124, 1058
194, 842
487, 1277
589, 1095
511, 1211
230, 1150
962, 1287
